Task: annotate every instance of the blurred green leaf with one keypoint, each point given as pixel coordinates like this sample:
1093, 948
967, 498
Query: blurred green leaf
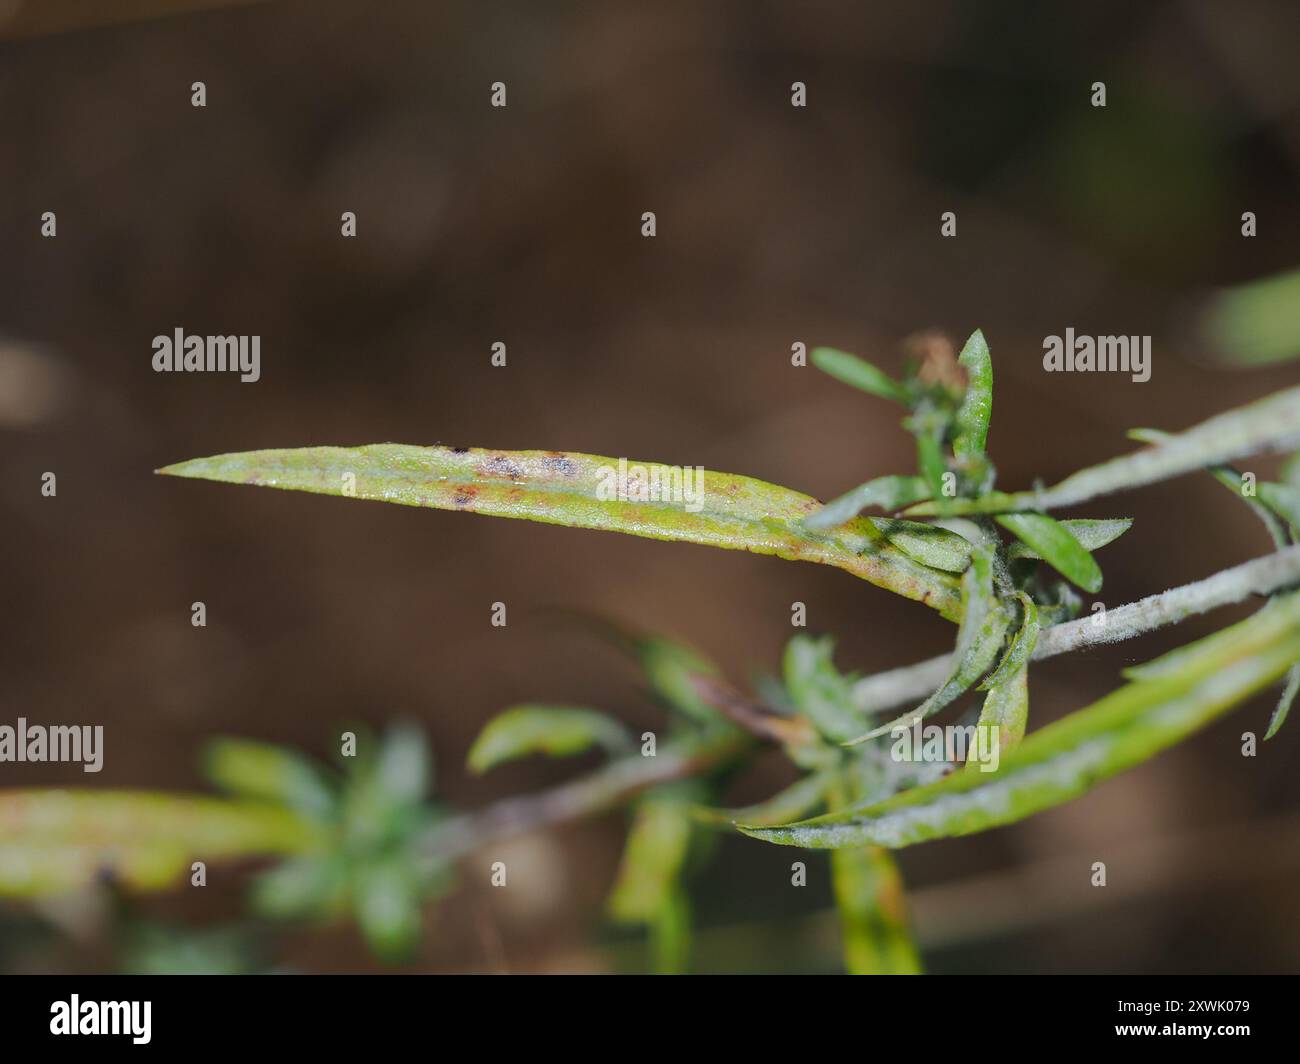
971, 422
670, 669
314, 885
1067, 758
873, 913
387, 905
1056, 545
556, 731
1258, 323
888, 493
799, 799
736, 513
819, 690
1092, 534
1283, 500
54, 841
259, 770
858, 373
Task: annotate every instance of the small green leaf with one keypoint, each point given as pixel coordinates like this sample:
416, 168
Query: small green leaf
314, 885
1092, 534
1055, 544
888, 493
1067, 758
671, 669
1289, 691
588, 491
653, 858
1257, 323
873, 913
932, 546
929, 426
387, 906
799, 799
857, 372
1006, 707
983, 627
819, 690
259, 770
972, 419
1016, 659
1268, 424
556, 731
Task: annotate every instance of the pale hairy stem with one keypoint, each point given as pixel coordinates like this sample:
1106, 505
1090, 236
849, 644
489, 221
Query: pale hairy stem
1262, 576
620, 780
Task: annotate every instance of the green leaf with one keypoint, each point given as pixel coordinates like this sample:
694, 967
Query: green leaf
1092, 534
873, 913
671, 668
1289, 691
799, 799
972, 420
387, 906
1258, 323
582, 491
888, 493
653, 859
259, 770
930, 545
54, 841
1065, 759
1056, 545
1006, 707
1016, 659
929, 426
1269, 424
819, 690
857, 372
983, 627
556, 731
313, 885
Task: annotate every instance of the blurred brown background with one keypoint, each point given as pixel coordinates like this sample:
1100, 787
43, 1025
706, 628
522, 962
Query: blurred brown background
475, 225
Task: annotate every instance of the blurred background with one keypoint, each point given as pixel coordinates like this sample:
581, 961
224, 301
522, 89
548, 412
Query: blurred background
522, 224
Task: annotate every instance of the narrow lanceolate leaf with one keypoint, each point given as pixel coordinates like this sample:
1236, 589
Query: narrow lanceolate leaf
1016, 659
888, 493
1092, 534
656, 851
1055, 544
1289, 691
799, 799
983, 627
556, 731
260, 770
1006, 707
1270, 424
588, 491
972, 420
1065, 759
932, 546
873, 913
859, 373
53, 841
1258, 323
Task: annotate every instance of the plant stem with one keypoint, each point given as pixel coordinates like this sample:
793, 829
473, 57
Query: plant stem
603, 789
1262, 576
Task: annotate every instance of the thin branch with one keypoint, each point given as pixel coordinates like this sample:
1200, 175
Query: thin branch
1262, 576
603, 789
